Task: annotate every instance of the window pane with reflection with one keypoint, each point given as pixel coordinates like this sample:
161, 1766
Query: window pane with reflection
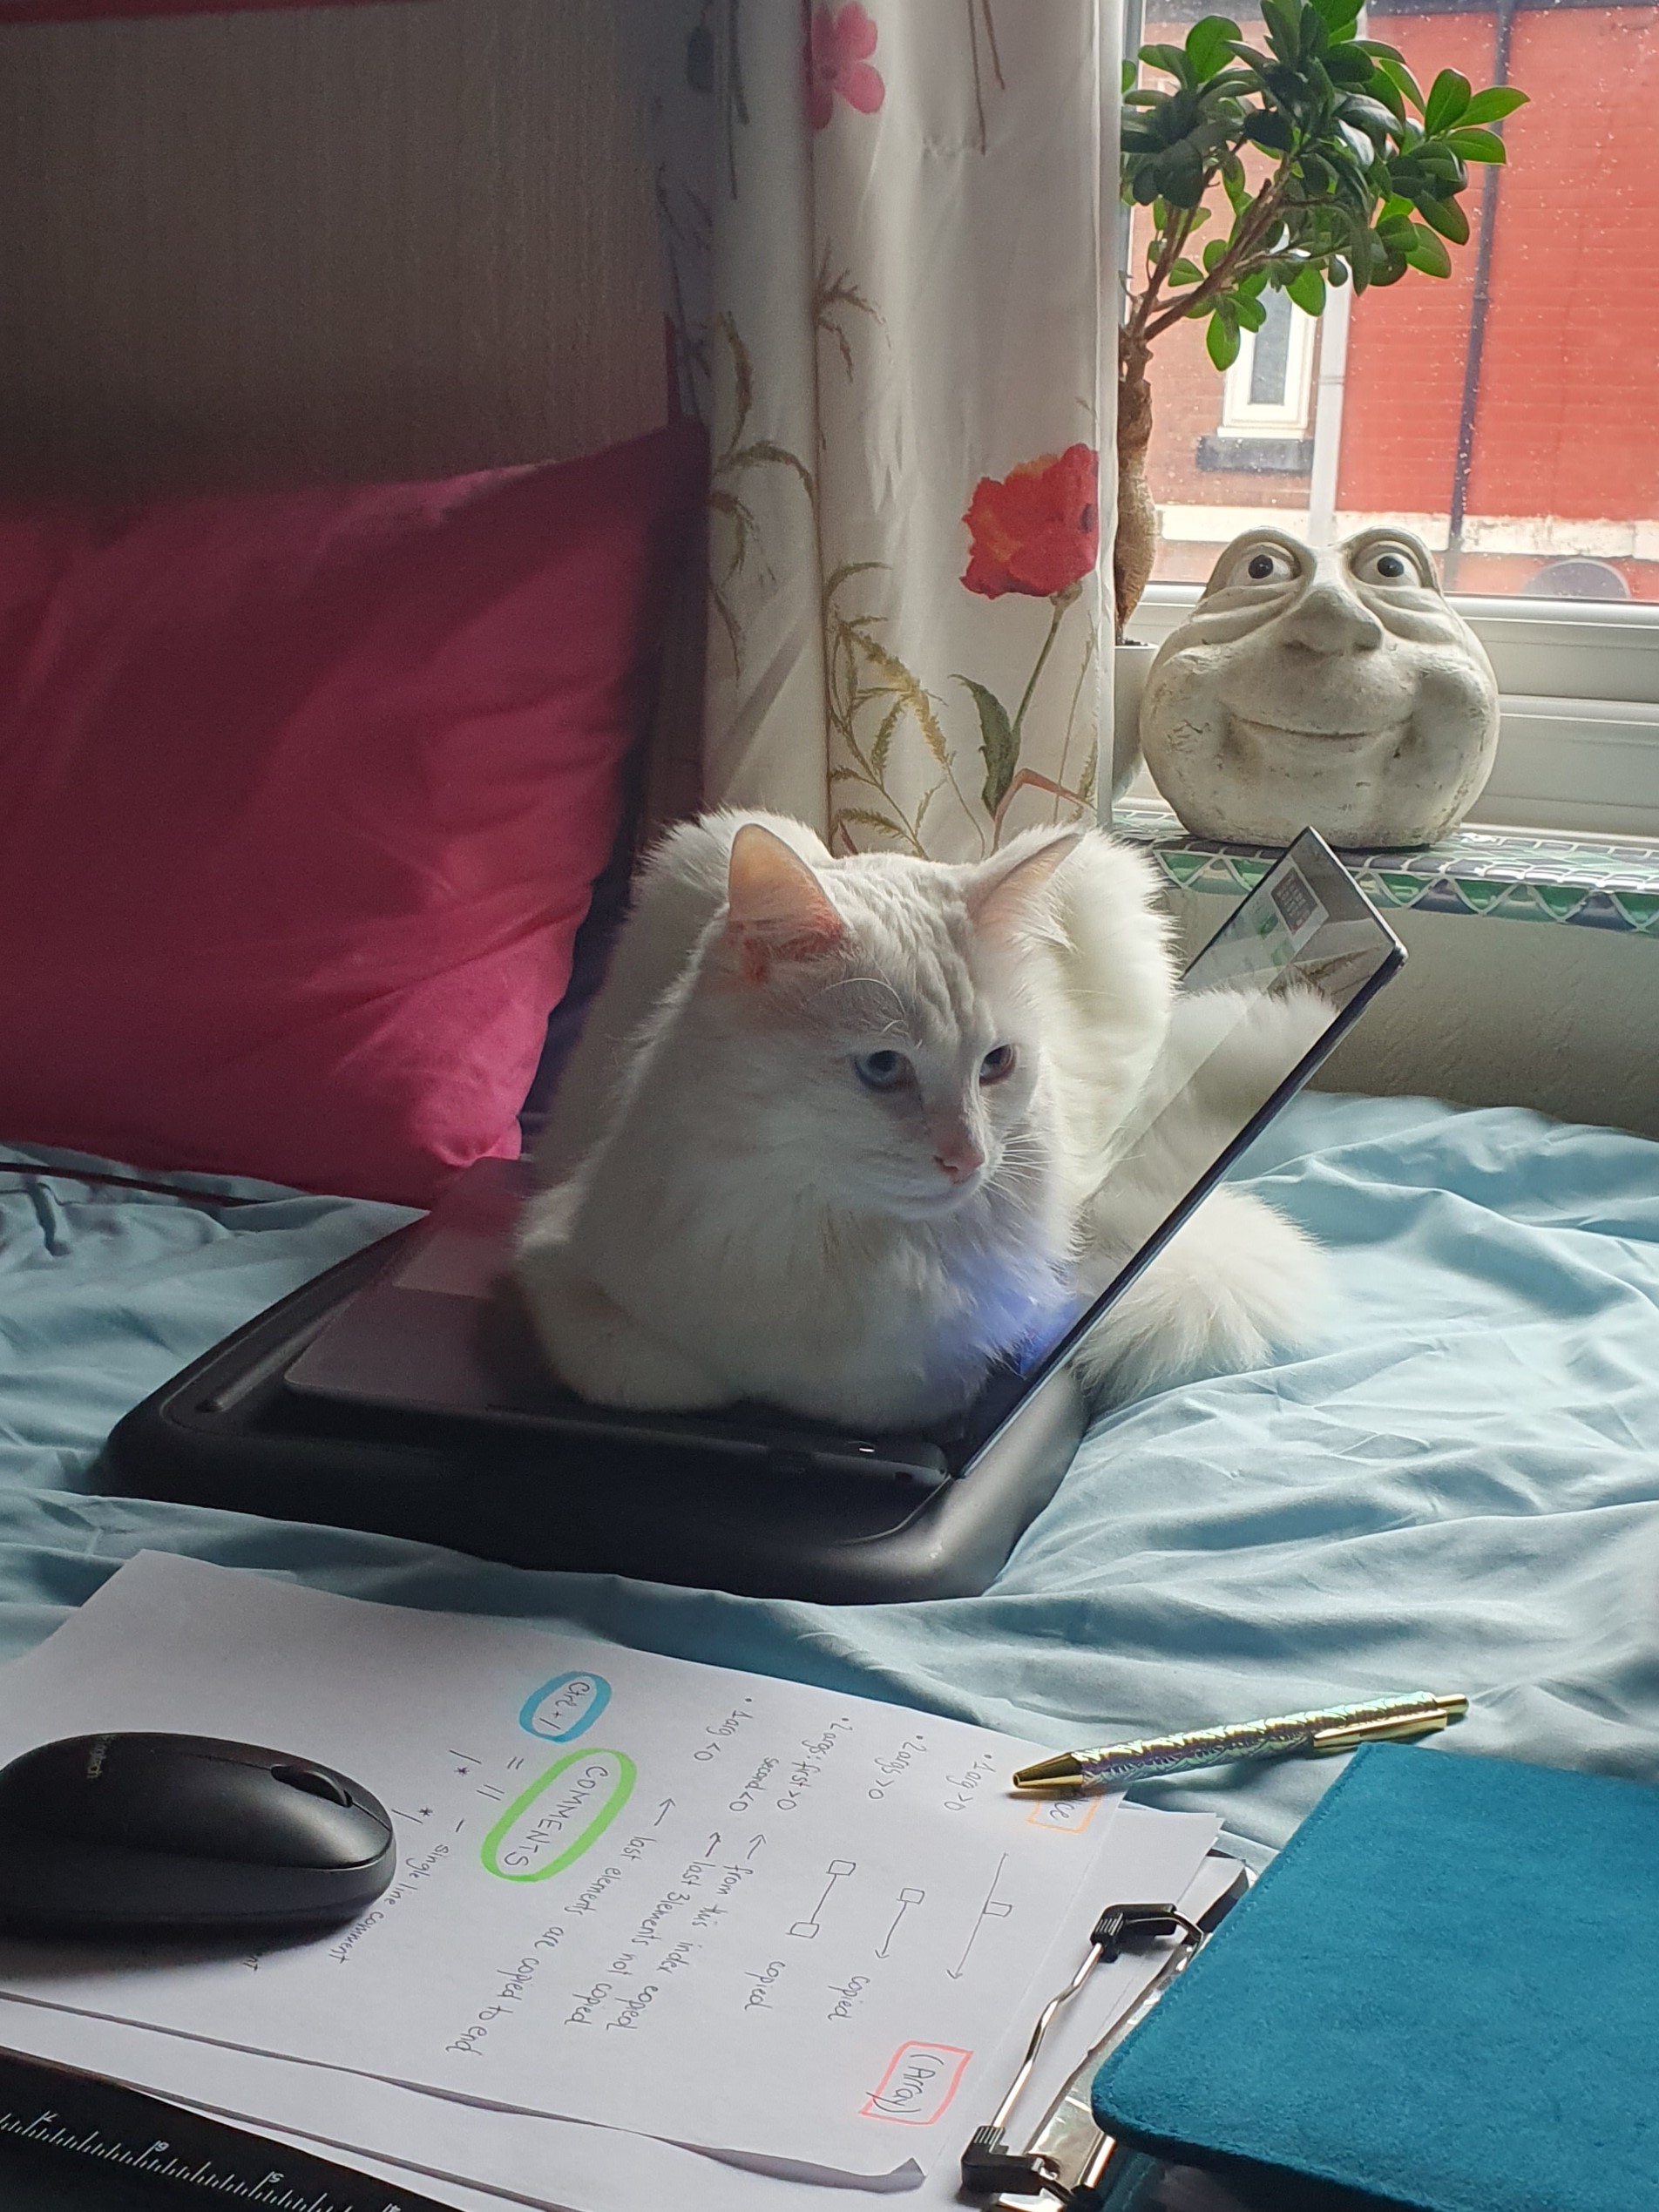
1508, 415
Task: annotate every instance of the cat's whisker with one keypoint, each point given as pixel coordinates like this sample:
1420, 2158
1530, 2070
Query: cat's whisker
897, 1025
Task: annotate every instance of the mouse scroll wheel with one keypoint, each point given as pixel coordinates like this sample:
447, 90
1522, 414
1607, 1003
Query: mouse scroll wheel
313, 1784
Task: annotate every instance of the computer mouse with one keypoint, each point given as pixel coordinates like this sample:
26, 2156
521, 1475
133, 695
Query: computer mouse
135, 1834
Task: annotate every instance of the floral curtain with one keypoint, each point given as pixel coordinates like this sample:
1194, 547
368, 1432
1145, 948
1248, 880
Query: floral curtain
888, 284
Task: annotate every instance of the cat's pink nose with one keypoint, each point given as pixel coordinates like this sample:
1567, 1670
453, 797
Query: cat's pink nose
960, 1160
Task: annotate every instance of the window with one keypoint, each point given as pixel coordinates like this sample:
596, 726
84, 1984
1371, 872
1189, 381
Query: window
1509, 416
1268, 389
1266, 400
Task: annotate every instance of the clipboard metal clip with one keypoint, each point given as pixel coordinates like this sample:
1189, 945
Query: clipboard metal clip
1066, 2161
990, 2166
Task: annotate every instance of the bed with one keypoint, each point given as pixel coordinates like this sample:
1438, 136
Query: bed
308, 796
1457, 1490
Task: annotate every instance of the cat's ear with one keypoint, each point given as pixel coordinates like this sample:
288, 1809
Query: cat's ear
776, 909
1006, 896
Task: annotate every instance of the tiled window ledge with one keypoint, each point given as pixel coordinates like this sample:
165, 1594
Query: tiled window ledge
1516, 874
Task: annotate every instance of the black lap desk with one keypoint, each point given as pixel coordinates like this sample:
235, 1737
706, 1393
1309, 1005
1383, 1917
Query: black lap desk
229, 1432
226, 1433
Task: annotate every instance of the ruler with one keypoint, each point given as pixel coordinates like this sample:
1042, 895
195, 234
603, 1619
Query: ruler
84, 2116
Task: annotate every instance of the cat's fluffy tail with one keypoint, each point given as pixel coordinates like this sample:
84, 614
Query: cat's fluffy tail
1235, 1284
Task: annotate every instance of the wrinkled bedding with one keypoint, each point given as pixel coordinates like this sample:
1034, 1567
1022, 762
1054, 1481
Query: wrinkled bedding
1457, 1489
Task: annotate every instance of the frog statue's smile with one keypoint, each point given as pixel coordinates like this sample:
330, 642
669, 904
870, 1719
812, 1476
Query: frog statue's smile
1338, 688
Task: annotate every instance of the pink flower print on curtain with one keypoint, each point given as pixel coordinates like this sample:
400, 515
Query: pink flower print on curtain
839, 44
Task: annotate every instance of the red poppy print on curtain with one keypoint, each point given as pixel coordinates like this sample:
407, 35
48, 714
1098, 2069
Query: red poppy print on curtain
840, 42
1038, 529
1035, 531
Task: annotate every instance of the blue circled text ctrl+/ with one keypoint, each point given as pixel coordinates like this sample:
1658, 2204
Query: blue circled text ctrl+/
565, 1707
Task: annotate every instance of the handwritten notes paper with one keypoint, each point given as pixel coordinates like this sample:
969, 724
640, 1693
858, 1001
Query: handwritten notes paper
723, 1910
560, 2164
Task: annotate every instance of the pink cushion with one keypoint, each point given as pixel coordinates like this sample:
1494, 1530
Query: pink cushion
303, 795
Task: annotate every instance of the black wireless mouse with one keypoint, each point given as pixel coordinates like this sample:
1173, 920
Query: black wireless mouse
175, 1834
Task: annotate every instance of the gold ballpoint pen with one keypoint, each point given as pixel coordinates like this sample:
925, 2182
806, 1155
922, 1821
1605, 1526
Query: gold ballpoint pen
1339, 1728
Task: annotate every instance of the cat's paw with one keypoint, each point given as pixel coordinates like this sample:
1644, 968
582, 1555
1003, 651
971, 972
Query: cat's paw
597, 1349
1236, 1285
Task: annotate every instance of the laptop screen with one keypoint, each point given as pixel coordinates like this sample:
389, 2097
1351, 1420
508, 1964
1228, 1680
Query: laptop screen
1258, 1009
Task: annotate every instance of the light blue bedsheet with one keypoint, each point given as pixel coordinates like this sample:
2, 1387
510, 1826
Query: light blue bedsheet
1458, 1491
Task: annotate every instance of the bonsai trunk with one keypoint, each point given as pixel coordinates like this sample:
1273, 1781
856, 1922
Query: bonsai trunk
1135, 544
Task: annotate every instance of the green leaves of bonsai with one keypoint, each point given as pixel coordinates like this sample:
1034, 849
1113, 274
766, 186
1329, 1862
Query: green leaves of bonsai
1353, 173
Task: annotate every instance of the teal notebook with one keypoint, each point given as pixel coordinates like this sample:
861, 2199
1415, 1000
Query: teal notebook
1444, 1992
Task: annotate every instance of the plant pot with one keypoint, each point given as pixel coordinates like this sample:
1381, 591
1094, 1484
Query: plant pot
1130, 662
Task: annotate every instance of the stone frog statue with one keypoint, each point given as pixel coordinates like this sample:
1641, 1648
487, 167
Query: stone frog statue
1336, 688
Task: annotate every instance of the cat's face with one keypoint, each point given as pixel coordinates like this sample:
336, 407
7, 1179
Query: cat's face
882, 1048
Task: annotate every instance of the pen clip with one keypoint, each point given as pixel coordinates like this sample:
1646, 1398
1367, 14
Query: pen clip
1396, 1728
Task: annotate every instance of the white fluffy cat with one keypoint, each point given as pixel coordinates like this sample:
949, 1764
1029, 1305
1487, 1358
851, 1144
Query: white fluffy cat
834, 1135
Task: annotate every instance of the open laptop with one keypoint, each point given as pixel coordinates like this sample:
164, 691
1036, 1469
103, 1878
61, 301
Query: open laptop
415, 1401
440, 1330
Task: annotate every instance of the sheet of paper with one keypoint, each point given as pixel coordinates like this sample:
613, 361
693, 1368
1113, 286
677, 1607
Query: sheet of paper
730, 1911
444, 2144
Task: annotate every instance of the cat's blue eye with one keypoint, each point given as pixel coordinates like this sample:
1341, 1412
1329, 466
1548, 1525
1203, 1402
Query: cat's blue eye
997, 1063
881, 1070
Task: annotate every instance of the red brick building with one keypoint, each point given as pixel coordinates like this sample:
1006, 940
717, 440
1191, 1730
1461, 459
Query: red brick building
1528, 405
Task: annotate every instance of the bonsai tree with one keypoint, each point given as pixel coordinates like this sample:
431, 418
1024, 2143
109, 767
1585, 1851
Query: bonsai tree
1355, 180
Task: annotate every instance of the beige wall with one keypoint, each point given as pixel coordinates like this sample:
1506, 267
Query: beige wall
1515, 1013
1503, 1013
366, 241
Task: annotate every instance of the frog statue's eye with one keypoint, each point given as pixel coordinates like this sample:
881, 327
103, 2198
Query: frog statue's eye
1385, 563
1263, 565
